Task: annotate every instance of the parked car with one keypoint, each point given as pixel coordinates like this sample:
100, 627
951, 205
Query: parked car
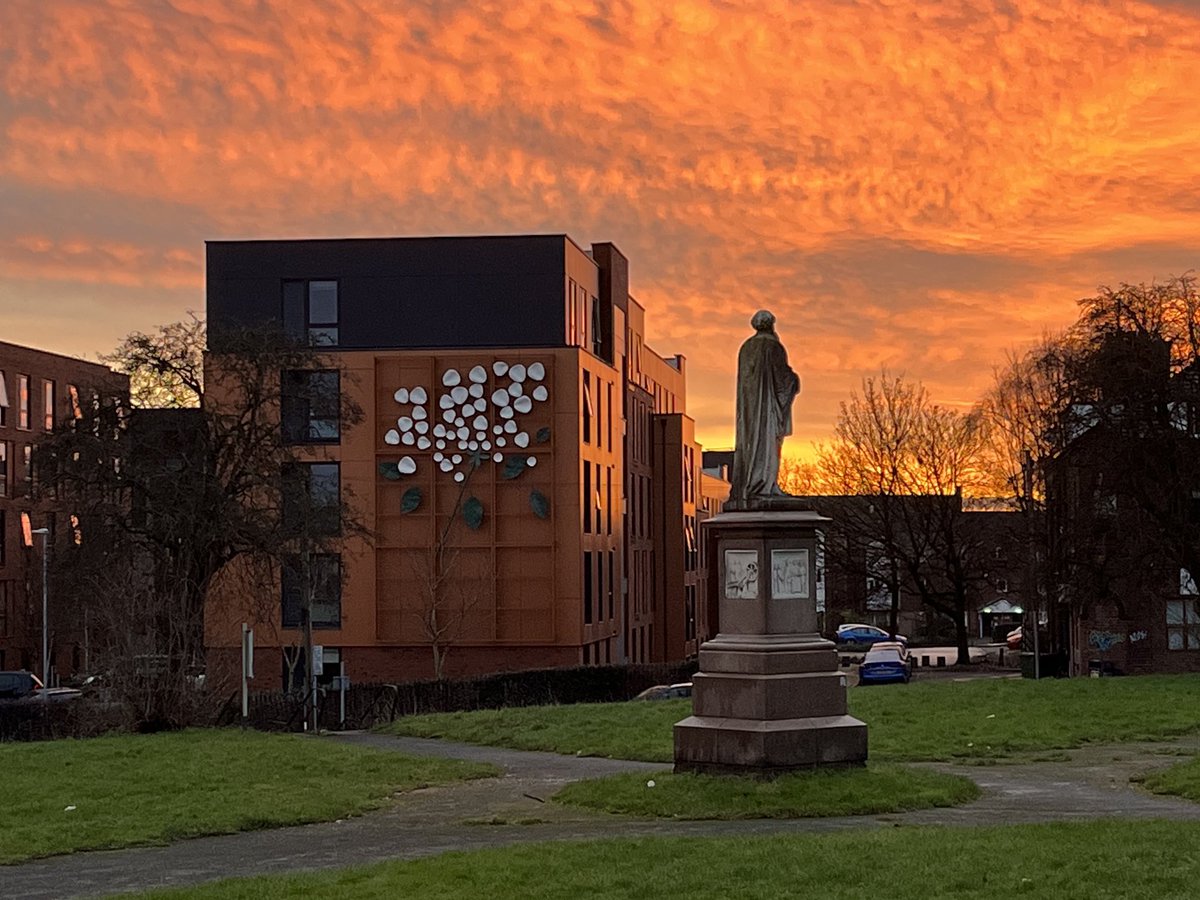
883, 665
666, 692
900, 648
865, 634
56, 694
17, 684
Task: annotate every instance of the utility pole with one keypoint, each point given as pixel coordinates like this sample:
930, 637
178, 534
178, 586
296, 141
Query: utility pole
45, 533
310, 687
1030, 568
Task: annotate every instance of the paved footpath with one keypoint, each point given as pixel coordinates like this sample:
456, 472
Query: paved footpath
497, 812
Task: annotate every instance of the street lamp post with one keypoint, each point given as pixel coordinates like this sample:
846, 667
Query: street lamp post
45, 533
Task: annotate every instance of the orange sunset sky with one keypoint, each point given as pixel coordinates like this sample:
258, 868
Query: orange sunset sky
919, 185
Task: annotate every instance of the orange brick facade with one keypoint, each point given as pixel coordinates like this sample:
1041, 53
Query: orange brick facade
41, 391
587, 487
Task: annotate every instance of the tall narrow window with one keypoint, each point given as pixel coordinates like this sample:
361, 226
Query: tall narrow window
325, 584
608, 498
312, 498
612, 580
587, 497
310, 312
599, 415
27, 469
587, 406
4, 445
23, 402
597, 330
3, 400
3, 541
587, 587
311, 407
48, 404
598, 505
608, 389
76, 409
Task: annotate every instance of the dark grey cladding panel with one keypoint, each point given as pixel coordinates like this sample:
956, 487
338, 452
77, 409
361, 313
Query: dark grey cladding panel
402, 292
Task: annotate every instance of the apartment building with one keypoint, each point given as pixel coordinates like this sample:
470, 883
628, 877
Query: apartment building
39, 392
515, 420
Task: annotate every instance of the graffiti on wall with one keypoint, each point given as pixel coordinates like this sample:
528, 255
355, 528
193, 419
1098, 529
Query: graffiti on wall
1104, 640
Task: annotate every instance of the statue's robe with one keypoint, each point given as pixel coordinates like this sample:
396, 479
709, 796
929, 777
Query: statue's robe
766, 387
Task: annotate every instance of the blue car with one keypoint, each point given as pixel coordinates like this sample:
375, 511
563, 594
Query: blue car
865, 634
883, 665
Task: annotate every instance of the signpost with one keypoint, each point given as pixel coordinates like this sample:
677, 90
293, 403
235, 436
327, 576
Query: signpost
247, 669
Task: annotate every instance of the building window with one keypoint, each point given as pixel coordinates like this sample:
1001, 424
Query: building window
587, 497
608, 389
3, 400
27, 469
4, 445
608, 498
48, 404
6, 604
597, 504
76, 408
310, 312
587, 406
3, 539
599, 415
312, 498
597, 330
311, 407
1183, 616
612, 580
588, 593
23, 402
325, 582
1183, 624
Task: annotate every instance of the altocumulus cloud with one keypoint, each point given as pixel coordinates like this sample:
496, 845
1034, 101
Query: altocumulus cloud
904, 183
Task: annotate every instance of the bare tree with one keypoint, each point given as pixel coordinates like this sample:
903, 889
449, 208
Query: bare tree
171, 500
449, 593
911, 460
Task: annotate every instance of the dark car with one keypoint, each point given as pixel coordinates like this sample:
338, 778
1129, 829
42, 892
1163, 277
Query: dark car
883, 665
18, 684
865, 635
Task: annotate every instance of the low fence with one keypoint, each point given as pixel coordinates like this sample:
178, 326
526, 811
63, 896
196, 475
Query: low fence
370, 704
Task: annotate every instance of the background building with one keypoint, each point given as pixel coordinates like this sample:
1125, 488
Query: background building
525, 464
39, 392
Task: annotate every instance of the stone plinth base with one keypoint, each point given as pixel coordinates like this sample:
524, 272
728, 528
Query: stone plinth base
717, 746
769, 696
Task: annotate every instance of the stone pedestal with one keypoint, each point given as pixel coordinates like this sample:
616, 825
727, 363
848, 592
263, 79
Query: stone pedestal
769, 696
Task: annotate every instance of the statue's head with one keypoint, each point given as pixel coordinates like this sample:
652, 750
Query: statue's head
763, 320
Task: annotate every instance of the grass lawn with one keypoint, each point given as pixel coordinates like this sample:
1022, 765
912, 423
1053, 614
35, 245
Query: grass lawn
1094, 860
62, 796
978, 720
1182, 780
840, 792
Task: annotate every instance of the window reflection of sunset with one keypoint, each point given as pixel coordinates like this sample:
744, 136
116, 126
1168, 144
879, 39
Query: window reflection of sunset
905, 184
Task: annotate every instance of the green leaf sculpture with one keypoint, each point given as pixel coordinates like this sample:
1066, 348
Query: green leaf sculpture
514, 466
410, 500
543, 435
539, 504
472, 513
390, 471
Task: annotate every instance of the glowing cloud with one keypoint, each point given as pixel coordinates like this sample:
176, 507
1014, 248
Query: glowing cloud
903, 183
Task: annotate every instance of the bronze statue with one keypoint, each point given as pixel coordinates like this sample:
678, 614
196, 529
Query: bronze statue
766, 388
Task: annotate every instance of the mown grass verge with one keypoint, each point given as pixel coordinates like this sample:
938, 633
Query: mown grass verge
1097, 860
126, 790
869, 790
981, 720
